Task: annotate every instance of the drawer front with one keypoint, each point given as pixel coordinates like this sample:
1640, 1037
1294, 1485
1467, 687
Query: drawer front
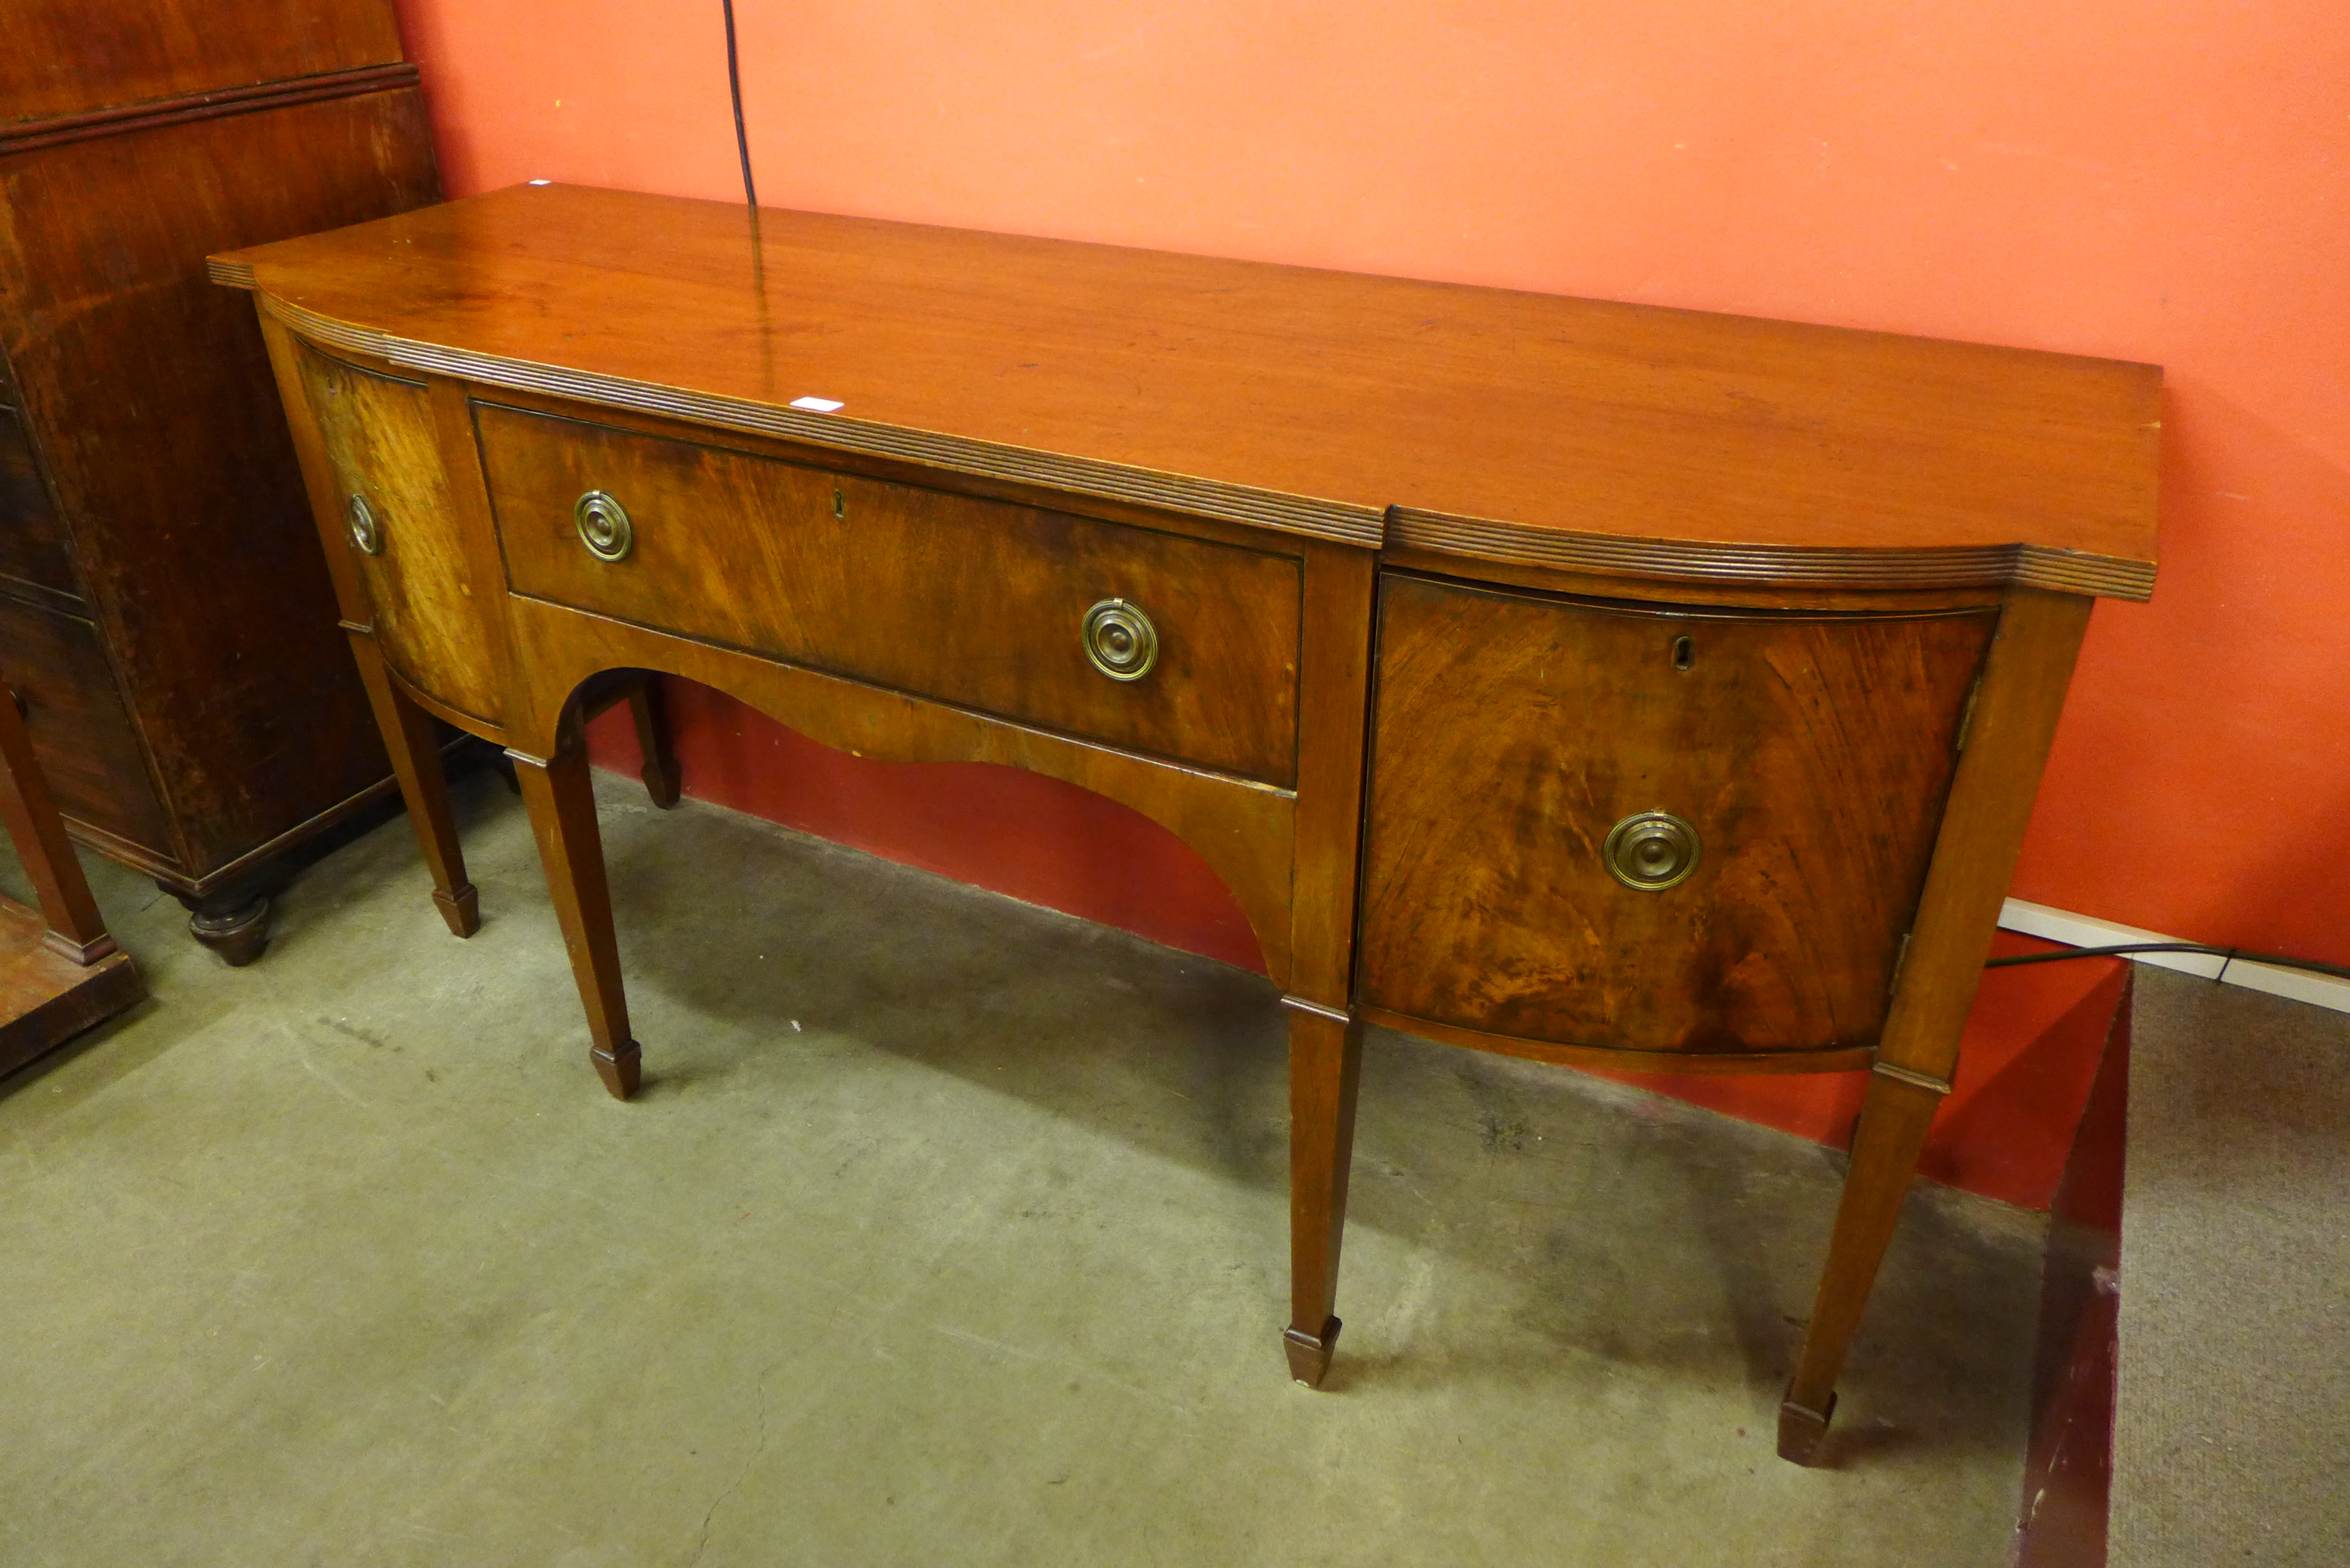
1810, 756
976, 603
32, 535
80, 731
380, 438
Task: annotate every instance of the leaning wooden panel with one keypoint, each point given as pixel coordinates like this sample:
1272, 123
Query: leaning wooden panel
1804, 757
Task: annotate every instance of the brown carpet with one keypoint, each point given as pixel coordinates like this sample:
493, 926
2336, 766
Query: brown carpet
2232, 1431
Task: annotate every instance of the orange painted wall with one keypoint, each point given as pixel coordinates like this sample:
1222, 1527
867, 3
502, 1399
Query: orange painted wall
2154, 179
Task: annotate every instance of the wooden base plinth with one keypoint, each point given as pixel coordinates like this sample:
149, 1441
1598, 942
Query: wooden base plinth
46, 997
461, 910
1802, 1430
1309, 1354
621, 1070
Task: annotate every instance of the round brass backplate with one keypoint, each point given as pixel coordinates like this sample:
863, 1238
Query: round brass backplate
366, 532
603, 526
1121, 640
1651, 851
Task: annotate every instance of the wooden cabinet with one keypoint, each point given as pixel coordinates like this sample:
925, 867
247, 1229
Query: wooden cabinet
1599, 684
167, 613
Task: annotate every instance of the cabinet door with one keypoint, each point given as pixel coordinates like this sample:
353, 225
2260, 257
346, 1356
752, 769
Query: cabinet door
1808, 754
378, 431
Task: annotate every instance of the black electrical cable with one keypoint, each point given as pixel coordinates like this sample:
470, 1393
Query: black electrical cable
2228, 956
734, 87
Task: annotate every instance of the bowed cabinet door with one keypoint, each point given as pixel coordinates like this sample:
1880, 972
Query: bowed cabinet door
1778, 777
395, 519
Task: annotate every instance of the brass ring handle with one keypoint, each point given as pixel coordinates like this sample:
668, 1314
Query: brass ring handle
603, 526
1651, 851
1121, 640
366, 532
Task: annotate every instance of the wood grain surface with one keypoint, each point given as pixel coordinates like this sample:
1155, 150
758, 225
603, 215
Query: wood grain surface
972, 602
1480, 422
46, 997
1243, 831
32, 536
57, 666
1406, 775
1511, 732
75, 930
382, 442
71, 57
149, 396
60, 971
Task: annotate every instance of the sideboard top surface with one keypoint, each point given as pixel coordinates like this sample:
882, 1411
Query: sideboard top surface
1482, 422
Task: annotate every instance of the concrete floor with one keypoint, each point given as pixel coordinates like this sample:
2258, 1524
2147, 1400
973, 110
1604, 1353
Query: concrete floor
946, 1231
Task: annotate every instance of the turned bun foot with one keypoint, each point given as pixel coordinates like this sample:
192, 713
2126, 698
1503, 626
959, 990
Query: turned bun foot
238, 934
1800, 1430
461, 910
1309, 1354
621, 1070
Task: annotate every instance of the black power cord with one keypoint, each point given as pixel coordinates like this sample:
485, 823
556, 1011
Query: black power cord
735, 89
2226, 955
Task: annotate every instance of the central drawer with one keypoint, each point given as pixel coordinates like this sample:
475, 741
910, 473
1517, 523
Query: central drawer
985, 605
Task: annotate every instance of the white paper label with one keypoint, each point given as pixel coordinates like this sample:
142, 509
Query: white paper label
817, 405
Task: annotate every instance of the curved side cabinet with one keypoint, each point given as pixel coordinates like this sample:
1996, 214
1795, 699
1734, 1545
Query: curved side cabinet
1653, 829
378, 435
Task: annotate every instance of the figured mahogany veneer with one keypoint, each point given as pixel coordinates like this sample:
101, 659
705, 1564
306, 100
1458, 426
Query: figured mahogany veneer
380, 438
1811, 752
1448, 584
811, 565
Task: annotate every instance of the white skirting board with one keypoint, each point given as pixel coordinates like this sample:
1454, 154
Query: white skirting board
2087, 932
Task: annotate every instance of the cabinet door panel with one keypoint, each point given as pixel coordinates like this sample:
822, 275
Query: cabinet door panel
378, 435
1513, 732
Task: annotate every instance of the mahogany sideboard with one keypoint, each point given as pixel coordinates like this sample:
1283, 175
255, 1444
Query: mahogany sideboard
1597, 683
165, 617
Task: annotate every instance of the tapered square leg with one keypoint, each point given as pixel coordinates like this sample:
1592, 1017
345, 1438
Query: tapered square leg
415, 746
562, 804
1893, 1124
649, 708
1325, 1059
1802, 1430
